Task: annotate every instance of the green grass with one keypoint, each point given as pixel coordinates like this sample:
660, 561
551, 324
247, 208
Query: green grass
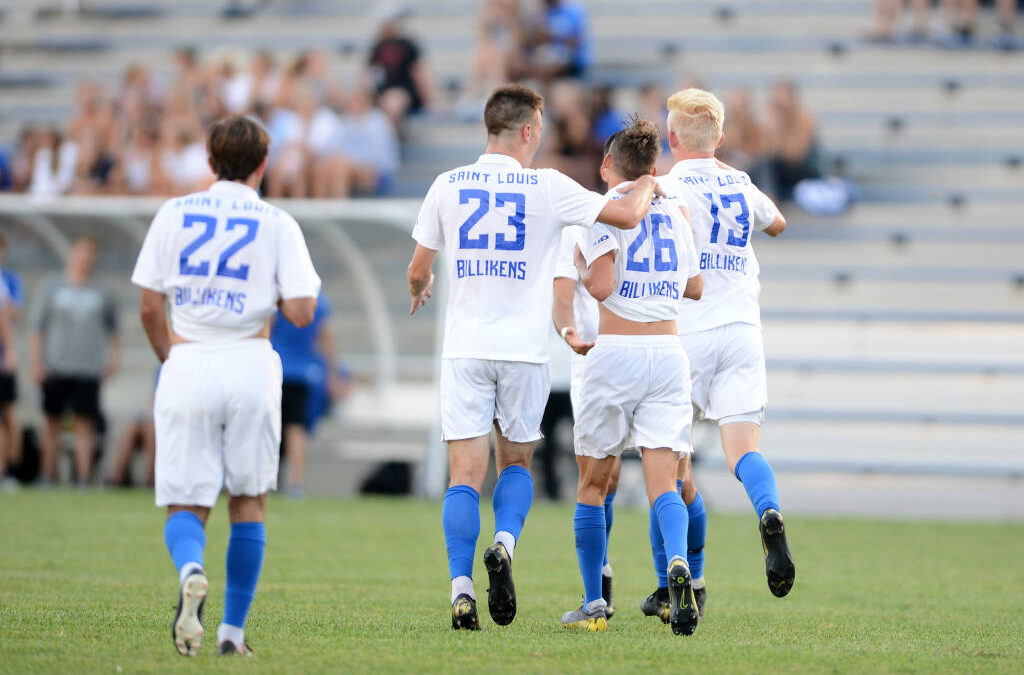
362, 585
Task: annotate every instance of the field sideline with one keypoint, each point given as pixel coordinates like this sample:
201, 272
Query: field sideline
358, 585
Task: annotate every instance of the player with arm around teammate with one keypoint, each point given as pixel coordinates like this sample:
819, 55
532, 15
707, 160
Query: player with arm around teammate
223, 260
636, 381
722, 333
500, 222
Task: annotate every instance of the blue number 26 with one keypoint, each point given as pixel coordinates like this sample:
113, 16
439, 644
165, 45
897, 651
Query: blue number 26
224, 269
661, 246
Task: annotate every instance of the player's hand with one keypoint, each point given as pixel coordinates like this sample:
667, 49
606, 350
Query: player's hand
576, 343
420, 299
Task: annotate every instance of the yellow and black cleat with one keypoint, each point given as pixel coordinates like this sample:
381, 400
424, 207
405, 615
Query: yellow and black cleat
464, 615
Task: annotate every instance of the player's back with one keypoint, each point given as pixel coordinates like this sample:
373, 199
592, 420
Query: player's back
653, 262
223, 257
725, 207
500, 224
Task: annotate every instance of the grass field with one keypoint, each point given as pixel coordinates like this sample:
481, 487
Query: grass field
359, 585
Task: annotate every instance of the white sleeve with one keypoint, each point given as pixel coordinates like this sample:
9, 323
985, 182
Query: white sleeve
600, 240
566, 267
571, 203
148, 272
762, 210
428, 231
296, 277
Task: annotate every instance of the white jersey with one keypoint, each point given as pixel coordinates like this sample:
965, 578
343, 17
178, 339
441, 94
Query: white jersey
652, 262
585, 307
224, 258
501, 226
725, 207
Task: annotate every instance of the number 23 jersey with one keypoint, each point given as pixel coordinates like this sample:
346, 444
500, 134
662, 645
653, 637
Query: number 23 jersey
500, 225
224, 258
725, 209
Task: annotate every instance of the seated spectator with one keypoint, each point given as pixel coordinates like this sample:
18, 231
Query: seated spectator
307, 136
369, 148
744, 144
791, 130
139, 169
74, 346
569, 146
53, 165
498, 46
558, 44
961, 17
887, 18
183, 160
398, 72
22, 159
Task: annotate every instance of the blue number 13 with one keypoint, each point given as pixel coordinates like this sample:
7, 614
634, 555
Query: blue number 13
224, 268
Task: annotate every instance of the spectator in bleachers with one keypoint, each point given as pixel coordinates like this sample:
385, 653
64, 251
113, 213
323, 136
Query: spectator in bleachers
266, 80
398, 71
139, 169
74, 346
791, 130
369, 147
557, 44
745, 142
53, 165
498, 46
183, 160
569, 146
651, 99
961, 18
22, 159
887, 18
307, 136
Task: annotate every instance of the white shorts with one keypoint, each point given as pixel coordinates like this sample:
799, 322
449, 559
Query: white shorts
218, 421
634, 384
727, 371
579, 366
476, 392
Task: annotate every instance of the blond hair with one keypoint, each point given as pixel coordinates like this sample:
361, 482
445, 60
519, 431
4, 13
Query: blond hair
696, 117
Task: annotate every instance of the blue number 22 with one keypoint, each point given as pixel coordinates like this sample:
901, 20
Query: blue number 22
224, 269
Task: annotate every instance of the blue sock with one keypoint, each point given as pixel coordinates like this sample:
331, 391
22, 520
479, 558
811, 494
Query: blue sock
244, 562
513, 495
460, 518
185, 538
590, 544
695, 536
758, 479
658, 551
673, 521
609, 515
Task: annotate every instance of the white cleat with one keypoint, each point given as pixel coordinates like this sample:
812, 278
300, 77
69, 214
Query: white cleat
187, 628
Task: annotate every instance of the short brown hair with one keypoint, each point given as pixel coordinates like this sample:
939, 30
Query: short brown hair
636, 148
237, 145
510, 107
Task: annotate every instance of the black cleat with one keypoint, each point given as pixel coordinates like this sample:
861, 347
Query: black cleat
187, 629
656, 604
464, 615
682, 605
700, 596
501, 596
778, 563
228, 648
606, 593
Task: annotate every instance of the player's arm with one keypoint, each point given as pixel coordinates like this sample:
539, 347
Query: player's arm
777, 226
299, 311
421, 278
694, 288
598, 277
154, 321
563, 316
627, 212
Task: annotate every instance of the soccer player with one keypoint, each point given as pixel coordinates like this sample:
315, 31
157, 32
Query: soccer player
500, 222
722, 333
224, 260
636, 381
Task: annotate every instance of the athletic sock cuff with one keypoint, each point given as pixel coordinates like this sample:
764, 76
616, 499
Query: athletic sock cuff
589, 516
465, 490
186, 516
254, 531
736, 471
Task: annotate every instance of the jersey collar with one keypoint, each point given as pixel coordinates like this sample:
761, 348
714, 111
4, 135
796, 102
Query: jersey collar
234, 188
495, 158
699, 163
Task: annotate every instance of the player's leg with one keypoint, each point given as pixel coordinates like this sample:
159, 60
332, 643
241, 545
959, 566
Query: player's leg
609, 516
248, 389
188, 477
85, 445
54, 400
467, 413
460, 519
696, 532
591, 541
244, 562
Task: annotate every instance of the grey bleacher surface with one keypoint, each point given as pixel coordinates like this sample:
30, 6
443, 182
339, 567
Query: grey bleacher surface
894, 333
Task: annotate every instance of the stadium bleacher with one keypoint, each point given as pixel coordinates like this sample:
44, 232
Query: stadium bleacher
893, 331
